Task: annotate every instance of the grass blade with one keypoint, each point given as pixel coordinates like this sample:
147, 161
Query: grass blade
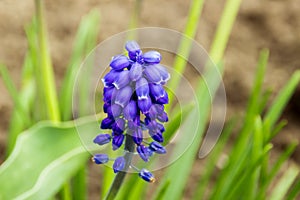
224, 29
45, 66
185, 45
281, 100
23, 114
282, 187
85, 40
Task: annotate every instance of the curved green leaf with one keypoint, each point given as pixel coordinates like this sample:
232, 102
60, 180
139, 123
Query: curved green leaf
45, 157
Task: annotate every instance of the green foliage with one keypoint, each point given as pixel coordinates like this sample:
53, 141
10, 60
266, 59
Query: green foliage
45, 156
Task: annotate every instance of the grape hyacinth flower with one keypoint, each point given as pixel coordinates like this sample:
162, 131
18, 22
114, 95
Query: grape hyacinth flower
134, 99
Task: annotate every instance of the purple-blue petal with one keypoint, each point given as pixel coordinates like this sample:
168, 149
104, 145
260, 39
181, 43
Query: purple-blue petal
107, 123
115, 111
157, 148
152, 74
147, 176
119, 126
123, 96
108, 93
164, 74
152, 57
109, 78
158, 93
137, 136
106, 105
145, 104
119, 164
122, 80
152, 112
142, 88
136, 71
132, 47
119, 62
130, 110
117, 141
102, 139
156, 135
100, 158
144, 152
163, 117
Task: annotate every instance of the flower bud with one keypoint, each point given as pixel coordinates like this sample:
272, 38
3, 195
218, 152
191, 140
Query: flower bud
107, 123
157, 148
122, 80
144, 152
136, 71
119, 62
152, 57
130, 111
102, 139
142, 88
147, 176
123, 96
119, 164
100, 158
117, 141
137, 136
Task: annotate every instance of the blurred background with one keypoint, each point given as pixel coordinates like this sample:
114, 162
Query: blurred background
272, 24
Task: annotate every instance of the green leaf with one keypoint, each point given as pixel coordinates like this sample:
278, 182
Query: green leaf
280, 102
224, 29
212, 159
85, 41
283, 185
45, 157
14, 93
185, 45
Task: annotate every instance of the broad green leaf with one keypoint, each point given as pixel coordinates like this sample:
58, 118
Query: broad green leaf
45, 157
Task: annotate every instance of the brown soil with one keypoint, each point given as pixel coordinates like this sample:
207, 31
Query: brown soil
260, 24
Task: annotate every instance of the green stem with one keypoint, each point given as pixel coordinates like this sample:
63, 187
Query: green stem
116, 185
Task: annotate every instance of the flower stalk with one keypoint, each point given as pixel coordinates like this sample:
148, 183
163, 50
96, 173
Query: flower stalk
116, 185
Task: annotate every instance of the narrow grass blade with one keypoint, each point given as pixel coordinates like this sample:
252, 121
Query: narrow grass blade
85, 41
185, 45
177, 117
224, 29
23, 114
280, 101
211, 162
45, 66
295, 190
282, 187
274, 170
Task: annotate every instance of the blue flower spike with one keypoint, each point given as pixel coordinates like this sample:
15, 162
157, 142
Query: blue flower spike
134, 99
